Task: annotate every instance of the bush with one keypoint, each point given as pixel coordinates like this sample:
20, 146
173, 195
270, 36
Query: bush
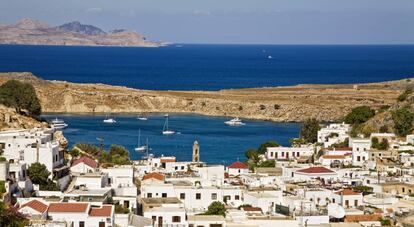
252, 154
403, 96
403, 121
38, 173
50, 186
88, 148
383, 145
359, 115
21, 96
216, 208
117, 155
383, 129
309, 130
120, 209
267, 163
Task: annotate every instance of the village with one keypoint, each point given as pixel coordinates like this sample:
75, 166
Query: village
338, 181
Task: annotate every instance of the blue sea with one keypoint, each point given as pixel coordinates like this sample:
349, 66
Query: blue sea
212, 67
202, 67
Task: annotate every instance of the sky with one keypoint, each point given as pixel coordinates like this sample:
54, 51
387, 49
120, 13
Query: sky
233, 21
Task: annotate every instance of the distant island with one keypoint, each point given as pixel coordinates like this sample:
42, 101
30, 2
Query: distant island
34, 32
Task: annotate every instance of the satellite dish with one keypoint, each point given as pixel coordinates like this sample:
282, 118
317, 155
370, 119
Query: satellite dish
335, 211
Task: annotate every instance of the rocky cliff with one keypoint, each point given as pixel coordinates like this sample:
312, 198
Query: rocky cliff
290, 103
33, 32
9, 119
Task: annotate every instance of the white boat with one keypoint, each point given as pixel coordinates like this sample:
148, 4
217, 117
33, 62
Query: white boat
142, 117
148, 155
58, 124
109, 120
269, 57
234, 122
166, 130
139, 147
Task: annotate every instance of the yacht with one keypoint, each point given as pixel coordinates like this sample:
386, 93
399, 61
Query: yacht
166, 130
234, 122
58, 124
109, 120
139, 147
142, 117
269, 57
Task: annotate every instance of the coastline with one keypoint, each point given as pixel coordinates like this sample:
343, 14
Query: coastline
325, 102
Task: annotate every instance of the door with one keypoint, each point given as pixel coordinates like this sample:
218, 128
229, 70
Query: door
101, 224
126, 204
159, 221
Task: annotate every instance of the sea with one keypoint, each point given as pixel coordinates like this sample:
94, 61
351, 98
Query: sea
202, 67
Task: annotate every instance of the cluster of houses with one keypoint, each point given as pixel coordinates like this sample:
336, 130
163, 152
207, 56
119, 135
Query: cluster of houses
319, 184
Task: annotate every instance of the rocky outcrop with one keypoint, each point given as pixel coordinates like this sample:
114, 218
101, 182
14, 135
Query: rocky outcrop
9, 119
290, 103
33, 32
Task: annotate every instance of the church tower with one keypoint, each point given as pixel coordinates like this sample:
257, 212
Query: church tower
196, 152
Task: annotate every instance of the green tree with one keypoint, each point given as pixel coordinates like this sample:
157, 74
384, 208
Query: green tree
252, 154
403, 121
118, 155
359, 115
216, 208
263, 147
38, 173
21, 96
309, 130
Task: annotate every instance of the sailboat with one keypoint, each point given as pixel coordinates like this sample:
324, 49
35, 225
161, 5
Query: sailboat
147, 156
142, 117
139, 147
166, 130
109, 120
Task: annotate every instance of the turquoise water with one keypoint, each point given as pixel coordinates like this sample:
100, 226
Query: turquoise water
219, 144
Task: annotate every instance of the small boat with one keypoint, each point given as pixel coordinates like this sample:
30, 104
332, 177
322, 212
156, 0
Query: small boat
109, 120
234, 122
139, 147
166, 130
141, 117
148, 155
58, 124
269, 57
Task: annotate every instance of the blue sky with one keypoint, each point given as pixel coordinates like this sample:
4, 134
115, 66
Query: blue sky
234, 21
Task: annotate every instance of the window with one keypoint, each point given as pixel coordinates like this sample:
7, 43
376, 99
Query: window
182, 195
213, 196
237, 197
333, 200
346, 203
164, 195
358, 158
403, 189
182, 167
176, 168
283, 154
149, 195
176, 219
356, 203
81, 224
297, 154
198, 196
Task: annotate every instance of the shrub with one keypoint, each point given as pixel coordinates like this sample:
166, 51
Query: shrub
216, 208
263, 147
403, 96
359, 115
309, 130
21, 96
120, 209
403, 120
38, 173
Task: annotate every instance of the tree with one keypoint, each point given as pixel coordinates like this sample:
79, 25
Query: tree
9, 216
216, 208
359, 115
252, 154
309, 130
21, 96
403, 121
263, 147
38, 173
117, 155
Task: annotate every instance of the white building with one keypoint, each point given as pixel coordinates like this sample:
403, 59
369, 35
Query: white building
288, 153
265, 199
84, 165
237, 168
311, 173
347, 198
360, 144
333, 133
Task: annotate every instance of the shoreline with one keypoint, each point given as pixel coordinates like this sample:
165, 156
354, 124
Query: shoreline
325, 102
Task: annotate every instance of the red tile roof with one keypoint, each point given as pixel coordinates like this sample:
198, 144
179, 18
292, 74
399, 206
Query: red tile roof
104, 211
316, 169
238, 165
326, 156
35, 205
68, 207
154, 175
88, 161
165, 160
343, 149
347, 191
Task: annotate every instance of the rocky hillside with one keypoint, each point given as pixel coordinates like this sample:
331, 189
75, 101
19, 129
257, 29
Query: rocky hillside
33, 32
290, 103
9, 119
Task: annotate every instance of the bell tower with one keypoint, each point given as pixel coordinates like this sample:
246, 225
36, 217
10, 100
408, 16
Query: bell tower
196, 152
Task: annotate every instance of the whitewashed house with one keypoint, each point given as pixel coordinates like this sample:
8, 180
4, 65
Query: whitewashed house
314, 172
84, 164
288, 153
237, 168
347, 198
333, 133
